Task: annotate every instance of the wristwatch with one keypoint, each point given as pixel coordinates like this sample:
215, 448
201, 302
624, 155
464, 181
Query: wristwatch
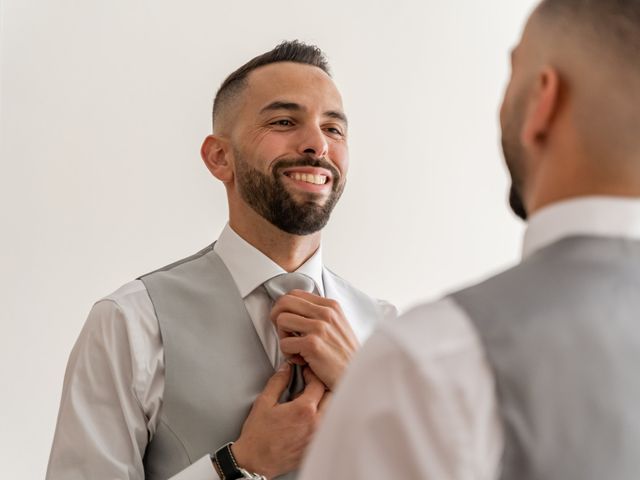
228, 468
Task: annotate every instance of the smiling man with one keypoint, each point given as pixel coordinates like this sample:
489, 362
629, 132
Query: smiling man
220, 365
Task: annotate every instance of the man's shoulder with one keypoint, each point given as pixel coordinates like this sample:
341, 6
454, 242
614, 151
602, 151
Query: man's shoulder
507, 278
132, 298
183, 263
126, 292
433, 329
124, 317
130, 303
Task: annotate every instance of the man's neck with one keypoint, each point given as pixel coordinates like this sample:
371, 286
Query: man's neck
559, 189
288, 251
572, 171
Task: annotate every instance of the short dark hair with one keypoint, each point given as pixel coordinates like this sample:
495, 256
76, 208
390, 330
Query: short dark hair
287, 51
616, 22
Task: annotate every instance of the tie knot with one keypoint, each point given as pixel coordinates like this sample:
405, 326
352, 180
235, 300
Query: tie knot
282, 284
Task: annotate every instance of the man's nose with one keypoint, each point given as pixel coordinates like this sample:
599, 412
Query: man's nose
313, 141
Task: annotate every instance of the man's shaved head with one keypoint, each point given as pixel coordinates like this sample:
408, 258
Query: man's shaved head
232, 88
595, 45
572, 107
615, 23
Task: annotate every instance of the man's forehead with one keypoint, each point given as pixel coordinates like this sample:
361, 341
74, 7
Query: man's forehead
298, 83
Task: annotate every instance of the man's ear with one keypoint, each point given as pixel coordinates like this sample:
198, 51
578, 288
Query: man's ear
215, 153
542, 108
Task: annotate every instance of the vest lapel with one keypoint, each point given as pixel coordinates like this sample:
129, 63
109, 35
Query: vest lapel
228, 290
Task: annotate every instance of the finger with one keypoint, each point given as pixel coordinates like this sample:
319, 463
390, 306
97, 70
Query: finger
296, 360
314, 388
296, 346
299, 306
316, 299
310, 347
291, 323
277, 384
325, 322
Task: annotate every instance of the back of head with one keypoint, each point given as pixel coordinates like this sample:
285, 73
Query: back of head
613, 19
571, 112
595, 45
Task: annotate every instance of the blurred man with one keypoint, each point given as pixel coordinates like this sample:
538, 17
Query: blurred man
531, 374
165, 372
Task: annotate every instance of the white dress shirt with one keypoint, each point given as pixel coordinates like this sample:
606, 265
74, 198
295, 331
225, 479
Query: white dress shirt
113, 386
419, 399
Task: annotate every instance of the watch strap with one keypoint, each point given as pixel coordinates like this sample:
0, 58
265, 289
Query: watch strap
226, 463
227, 466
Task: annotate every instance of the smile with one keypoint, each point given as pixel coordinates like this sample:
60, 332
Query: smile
308, 178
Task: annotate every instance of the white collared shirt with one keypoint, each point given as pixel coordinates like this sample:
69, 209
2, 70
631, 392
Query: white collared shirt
114, 383
419, 398
249, 269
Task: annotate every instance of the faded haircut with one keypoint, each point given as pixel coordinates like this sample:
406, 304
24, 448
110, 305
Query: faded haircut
288, 51
614, 22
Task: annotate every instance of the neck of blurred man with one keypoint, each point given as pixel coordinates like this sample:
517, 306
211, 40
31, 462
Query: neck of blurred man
568, 168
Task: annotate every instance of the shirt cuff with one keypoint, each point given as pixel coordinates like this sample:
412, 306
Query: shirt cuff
201, 470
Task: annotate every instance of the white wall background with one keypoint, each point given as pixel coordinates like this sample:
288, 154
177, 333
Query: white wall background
103, 105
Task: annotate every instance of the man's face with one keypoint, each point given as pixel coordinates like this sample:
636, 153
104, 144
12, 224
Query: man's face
290, 146
511, 119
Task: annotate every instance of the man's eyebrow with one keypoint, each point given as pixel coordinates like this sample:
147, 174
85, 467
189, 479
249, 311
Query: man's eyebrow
282, 106
337, 115
296, 107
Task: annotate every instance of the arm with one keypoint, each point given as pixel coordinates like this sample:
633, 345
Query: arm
275, 435
111, 397
419, 402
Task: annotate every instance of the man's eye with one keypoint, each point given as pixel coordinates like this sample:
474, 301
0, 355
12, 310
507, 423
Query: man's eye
282, 123
334, 130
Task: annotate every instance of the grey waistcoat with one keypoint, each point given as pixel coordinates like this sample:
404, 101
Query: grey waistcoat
562, 334
215, 364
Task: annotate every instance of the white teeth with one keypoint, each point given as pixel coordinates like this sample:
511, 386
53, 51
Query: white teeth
310, 178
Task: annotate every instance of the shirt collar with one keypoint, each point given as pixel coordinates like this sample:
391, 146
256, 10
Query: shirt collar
589, 216
250, 268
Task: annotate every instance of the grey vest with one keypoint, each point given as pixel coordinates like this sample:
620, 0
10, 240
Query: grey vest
215, 364
562, 334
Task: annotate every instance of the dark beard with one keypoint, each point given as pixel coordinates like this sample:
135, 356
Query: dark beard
516, 203
514, 158
267, 195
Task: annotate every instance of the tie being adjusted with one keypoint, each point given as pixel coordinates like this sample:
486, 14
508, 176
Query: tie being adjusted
276, 287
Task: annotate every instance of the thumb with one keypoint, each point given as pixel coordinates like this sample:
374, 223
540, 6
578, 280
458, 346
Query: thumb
277, 383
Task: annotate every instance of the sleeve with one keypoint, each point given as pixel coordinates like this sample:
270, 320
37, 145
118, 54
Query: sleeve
413, 408
103, 427
200, 470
